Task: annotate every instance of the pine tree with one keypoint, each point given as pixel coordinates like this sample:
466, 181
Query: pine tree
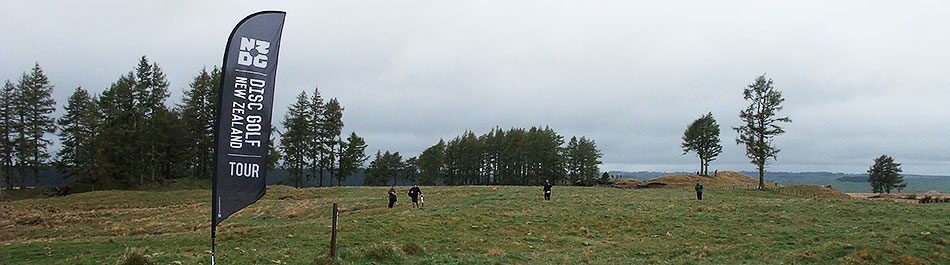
295, 140
78, 129
316, 151
513, 164
885, 175
331, 125
373, 172
545, 159
431, 163
385, 167
8, 130
761, 123
117, 144
410, 170
35, 109
150, 91
702, 137
582, 160
199, 111
134, 113
352, 157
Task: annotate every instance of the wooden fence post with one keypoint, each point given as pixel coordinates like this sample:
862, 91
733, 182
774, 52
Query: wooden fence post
336, 217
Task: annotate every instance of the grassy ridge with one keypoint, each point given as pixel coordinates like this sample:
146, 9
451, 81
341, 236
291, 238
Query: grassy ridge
479, 225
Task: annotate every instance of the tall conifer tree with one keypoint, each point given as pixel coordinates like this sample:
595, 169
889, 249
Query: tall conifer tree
35, 108
78, 129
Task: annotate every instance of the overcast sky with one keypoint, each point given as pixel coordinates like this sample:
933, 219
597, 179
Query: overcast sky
860, 78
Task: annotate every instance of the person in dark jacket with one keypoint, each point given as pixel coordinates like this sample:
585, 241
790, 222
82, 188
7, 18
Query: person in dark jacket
547, 190
392, 196
414, 193
699, 191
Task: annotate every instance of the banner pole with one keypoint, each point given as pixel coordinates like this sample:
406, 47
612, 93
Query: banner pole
212, 245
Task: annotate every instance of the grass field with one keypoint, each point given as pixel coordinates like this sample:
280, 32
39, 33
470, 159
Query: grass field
479, 225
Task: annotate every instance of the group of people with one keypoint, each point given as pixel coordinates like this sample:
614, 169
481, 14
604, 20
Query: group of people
415, 194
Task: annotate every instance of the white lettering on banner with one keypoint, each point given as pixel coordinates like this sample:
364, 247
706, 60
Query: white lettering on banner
247, 170
249, 45
246, 127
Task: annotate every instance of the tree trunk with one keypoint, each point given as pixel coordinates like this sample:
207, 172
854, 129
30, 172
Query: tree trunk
761, 176
700, 166
321, 176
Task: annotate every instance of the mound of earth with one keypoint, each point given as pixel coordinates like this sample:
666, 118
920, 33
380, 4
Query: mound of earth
809, 191
625, 183
725, 179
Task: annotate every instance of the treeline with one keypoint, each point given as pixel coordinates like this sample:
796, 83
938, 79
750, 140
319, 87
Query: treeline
128, 136
506, 157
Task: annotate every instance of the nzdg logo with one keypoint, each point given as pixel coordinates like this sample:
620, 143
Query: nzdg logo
245, 57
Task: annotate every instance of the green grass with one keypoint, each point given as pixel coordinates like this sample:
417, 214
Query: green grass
478, 225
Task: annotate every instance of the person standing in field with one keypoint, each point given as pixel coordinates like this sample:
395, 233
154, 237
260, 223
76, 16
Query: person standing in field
392, 196
414, 193
547, 190
699, 191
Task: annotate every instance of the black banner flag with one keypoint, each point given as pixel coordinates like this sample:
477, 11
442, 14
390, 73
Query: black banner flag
244, 114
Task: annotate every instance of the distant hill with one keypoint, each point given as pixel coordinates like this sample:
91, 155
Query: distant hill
841, 181
853, 179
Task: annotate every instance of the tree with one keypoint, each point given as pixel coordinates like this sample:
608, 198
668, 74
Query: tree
410, 170
117, 142
294, 140
384, 167
431, 163
199, 109
35, 108
582, 160
133, 110
316, 151
330, 127
761, 123
885, 175
150, 91
702, 137
352, 157
78, 129
8, 130
545, 160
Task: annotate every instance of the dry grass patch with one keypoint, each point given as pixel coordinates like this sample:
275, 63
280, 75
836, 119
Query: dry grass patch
908, 260
495, 252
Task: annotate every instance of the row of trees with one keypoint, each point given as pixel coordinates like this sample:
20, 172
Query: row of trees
312, 143
118, 138
128, 136
509, 157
